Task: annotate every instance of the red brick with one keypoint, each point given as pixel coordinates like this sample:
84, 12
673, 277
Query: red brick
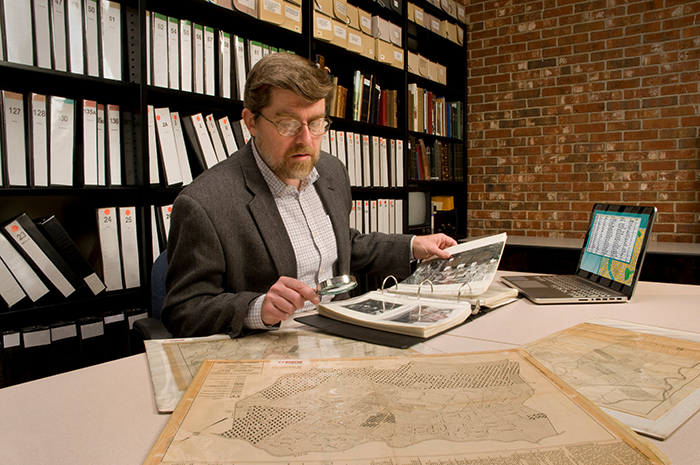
604, 96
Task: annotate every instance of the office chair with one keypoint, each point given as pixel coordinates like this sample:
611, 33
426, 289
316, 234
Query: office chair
152, 327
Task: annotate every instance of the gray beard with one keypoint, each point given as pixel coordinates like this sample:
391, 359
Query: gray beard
284, 168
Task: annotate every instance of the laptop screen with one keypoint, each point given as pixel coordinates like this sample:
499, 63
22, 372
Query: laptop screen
615, 245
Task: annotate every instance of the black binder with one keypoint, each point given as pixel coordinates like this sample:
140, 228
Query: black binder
36, 342
116, 335
135, 339
374, 336
56, 234
238, 133
131, 168
46, 249
65, 347
92, 340
12, 358
192, 144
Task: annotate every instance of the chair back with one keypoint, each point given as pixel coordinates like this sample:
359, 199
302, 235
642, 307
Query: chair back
158, 272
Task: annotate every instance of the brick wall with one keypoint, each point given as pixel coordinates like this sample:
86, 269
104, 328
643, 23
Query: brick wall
576, 102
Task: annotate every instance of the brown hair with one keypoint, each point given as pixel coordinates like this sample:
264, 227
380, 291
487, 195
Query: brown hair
286, 71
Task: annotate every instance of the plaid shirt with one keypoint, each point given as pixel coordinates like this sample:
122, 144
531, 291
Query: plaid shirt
309, 229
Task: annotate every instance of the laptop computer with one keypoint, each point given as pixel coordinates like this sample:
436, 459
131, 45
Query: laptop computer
610, 262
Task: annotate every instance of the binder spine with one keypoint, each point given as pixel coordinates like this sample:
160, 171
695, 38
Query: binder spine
44, 257
62, 242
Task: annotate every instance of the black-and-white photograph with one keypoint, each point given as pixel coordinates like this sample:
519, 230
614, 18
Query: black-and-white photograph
423, 314
464, 267
372, 307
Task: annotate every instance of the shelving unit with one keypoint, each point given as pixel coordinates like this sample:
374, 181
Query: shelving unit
75, 206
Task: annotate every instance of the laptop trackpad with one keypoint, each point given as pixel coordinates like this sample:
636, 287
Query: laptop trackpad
531, 284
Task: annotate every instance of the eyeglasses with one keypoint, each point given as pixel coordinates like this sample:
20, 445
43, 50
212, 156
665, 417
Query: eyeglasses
291, 127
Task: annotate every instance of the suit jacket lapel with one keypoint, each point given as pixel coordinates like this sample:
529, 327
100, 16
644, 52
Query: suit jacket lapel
336, 210
264, 210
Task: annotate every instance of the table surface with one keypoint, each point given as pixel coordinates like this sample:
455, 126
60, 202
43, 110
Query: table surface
106, 414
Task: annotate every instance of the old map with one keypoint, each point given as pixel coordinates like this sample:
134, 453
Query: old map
486, 408
173, 363
640, 374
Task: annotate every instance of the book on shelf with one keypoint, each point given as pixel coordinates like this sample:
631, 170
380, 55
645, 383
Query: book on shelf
440, 294
224, 64
90, 169
376, 160
156, 243
199, 140
114, 145
209, 61
108, 231
227, 135
198, 58
10, 290
14, 151
116, 334
159, 50
92, 341
76, 44
216, 139
61, 141
153, 165
365, 97
173, 40
161, 225
56, 234
239, 60
181, 147
128, 243
65, 347
168, 151
334, 95
41, 254
375, 91
18, 32
92, 43
36, 345
42, 37
12, 357
101, 147
25, 275
186, 55
57, 17
38, 140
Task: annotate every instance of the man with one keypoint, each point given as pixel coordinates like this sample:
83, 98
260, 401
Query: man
251, 238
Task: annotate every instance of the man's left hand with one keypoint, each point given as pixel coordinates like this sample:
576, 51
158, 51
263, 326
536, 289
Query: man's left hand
433, 244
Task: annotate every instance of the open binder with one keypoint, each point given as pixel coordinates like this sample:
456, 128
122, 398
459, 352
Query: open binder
438, 296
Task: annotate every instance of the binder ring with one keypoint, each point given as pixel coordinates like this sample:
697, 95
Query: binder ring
477, 307
459, 292
392, 277
421, 284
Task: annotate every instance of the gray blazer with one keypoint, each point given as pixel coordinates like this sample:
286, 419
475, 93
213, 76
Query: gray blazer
228, 244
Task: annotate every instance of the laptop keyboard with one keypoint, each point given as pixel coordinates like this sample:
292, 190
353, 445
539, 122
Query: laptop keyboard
572, 287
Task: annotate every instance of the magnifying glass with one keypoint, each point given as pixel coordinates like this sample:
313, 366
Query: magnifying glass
337, 285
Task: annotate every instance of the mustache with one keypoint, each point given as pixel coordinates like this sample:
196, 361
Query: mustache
300, 149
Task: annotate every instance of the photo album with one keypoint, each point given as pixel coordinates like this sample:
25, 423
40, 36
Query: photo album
440, 294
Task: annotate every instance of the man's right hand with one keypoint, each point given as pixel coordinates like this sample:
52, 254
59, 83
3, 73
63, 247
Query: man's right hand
285, 297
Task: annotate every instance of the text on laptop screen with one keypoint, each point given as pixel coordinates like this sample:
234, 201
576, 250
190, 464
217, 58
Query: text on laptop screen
614, 245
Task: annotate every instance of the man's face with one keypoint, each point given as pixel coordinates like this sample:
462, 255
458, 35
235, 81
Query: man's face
290, 158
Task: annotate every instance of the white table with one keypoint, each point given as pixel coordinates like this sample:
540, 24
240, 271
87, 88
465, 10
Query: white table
106, 414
